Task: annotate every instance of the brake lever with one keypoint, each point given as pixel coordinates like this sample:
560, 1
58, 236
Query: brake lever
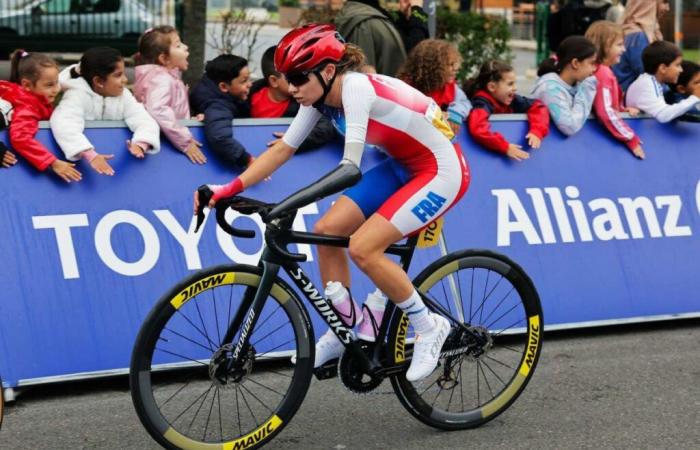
204, 195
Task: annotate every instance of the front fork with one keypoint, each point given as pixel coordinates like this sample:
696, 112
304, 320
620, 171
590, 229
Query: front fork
248, 314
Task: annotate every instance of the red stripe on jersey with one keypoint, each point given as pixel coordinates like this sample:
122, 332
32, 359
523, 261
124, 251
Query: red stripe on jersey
401, 146
398, 92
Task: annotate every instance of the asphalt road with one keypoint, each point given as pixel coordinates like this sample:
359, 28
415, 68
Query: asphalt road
634, 387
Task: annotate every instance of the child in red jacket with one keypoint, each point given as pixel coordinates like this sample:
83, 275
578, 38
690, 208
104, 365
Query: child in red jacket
32, 88
609, 39
493, 92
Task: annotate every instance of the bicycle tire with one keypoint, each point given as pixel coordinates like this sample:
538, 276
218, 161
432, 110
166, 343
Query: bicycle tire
520, 325
161, 337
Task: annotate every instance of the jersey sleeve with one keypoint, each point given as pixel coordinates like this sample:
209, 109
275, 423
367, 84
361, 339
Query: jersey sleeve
358, 97
301, 126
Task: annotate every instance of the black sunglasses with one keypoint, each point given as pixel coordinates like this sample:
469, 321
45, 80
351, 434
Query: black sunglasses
297, 78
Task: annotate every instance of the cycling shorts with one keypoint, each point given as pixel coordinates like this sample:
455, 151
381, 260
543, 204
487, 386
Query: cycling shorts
410, 201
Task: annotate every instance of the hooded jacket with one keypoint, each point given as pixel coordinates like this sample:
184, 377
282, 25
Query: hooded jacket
219, 110
28, 110
323, 132
80, 104
375, 33
484, 104
569, 106
164, 96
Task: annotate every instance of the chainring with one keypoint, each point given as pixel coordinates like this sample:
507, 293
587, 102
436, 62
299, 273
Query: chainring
352, 376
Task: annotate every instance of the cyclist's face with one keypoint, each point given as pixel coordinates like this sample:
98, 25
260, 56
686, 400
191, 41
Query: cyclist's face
308, 92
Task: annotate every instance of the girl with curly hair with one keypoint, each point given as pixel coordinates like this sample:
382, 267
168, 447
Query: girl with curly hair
432, 68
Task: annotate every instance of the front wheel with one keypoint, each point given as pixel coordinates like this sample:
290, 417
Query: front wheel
186, 392
481, 371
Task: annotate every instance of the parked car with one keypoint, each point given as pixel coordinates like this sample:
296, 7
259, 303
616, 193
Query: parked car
73, 25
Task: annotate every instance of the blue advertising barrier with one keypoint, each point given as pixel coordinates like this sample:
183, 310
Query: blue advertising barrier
605, 237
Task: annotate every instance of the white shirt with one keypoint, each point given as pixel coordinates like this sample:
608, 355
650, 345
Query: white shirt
646, 94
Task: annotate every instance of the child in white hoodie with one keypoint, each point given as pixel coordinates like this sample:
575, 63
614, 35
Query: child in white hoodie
662, 65
95, 89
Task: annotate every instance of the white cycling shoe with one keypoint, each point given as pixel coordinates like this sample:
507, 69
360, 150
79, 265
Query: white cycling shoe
426, 349
328, 347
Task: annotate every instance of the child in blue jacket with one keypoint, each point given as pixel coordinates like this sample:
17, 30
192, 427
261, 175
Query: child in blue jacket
220, 95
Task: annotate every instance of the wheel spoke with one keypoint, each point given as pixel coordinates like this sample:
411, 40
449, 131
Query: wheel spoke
211, 408
216, 318
256, 398
186, 338
257, 424
269, 334
192, 404
201, 319
498, 305
497, 361
266, 387
183, 357
197, 328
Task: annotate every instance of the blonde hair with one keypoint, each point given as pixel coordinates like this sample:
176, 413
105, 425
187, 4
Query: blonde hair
603, 34
427, 66
352, 61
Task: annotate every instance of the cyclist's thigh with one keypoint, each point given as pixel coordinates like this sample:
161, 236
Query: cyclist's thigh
342, 219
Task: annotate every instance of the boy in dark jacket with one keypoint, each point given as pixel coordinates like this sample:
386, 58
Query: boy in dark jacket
220, 95
269, 97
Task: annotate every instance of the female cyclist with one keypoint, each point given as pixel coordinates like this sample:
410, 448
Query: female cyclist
424, 177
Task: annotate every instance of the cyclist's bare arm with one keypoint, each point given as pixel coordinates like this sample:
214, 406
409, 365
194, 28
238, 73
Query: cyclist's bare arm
265, 164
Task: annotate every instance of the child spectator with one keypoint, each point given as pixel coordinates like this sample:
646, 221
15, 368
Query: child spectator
31, 91
162, 58
608, 103
688, 83
95, 89
493, 91
269, 97
431, 67
662, 64
567, 85
640, 24
220, 95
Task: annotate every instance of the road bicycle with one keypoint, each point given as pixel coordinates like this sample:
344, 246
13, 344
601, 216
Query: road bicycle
212, 363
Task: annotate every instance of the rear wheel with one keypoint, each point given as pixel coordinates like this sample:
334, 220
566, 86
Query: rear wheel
483, 371
185, 392
2, 402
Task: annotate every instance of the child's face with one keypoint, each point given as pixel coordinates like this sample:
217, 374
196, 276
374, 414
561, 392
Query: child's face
177, 54
454, 64
693, 86
503, 90
239, 86
670, 73
662, 7
583, 69
114, 84
47, 84
279, 84
617, 48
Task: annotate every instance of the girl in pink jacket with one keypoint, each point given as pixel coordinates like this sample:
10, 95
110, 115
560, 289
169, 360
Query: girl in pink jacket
608, 103
159, 86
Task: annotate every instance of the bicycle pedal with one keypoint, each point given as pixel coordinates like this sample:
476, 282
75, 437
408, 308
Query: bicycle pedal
327, 371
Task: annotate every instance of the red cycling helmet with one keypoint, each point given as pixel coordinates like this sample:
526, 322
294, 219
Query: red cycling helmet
304, 48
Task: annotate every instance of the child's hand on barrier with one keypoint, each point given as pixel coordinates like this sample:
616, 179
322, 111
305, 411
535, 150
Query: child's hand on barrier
66, 171
9, 159
516, 152
135, 150
195, 153
199, 117
638, 151
455, 127
632, 111
101, 166
278, 136
533, 140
